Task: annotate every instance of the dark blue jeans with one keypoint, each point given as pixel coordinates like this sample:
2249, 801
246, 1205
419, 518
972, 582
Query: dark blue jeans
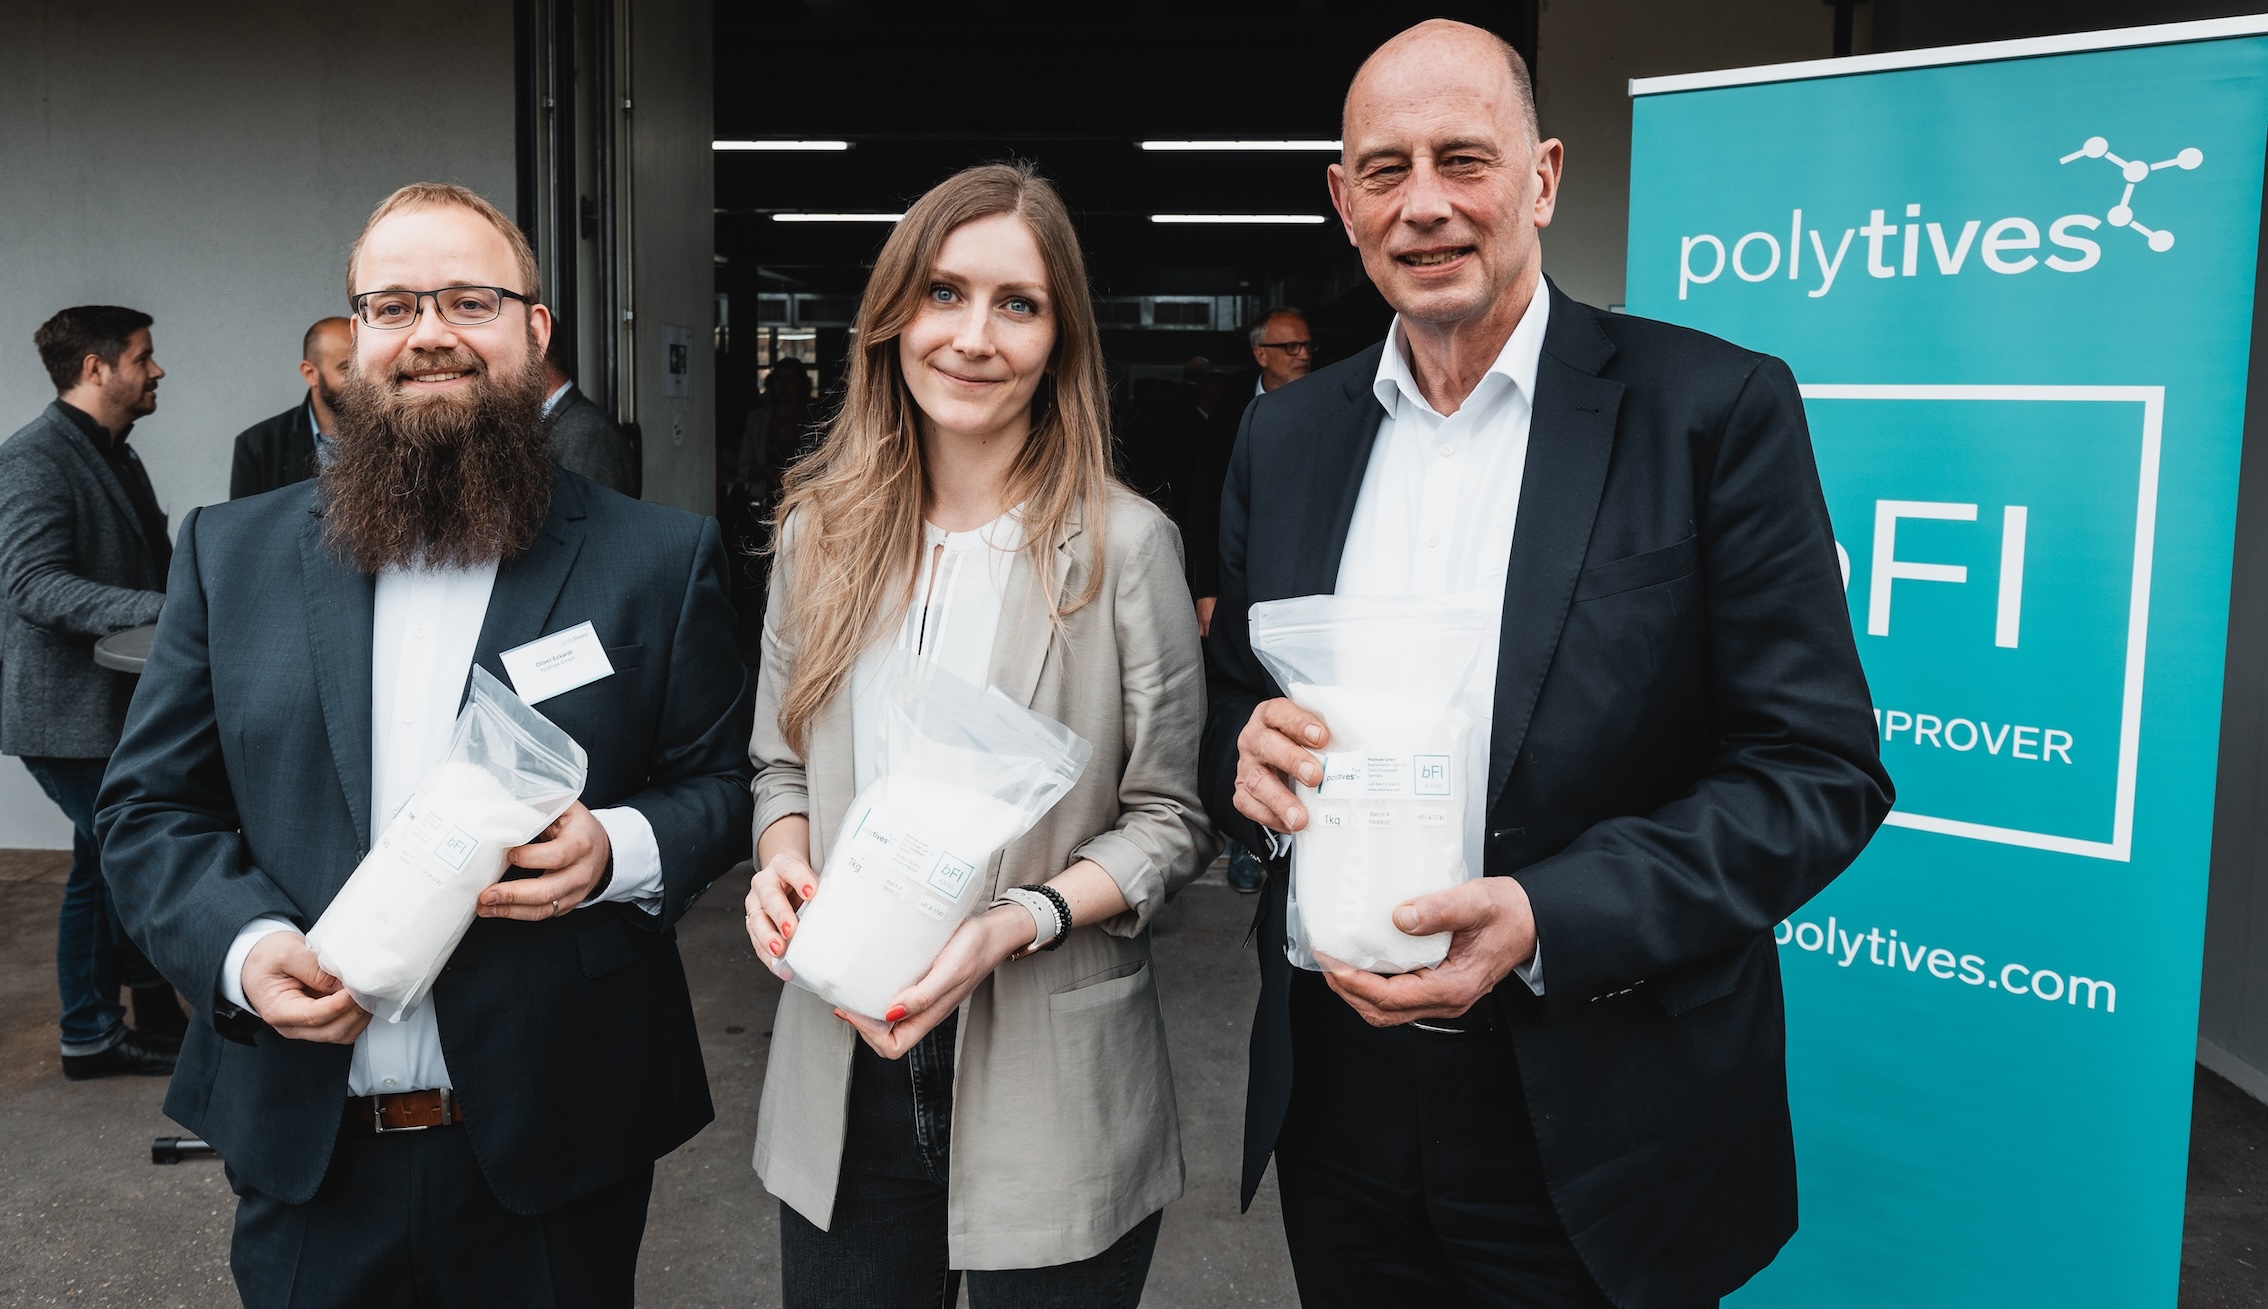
93, 958
886, 1246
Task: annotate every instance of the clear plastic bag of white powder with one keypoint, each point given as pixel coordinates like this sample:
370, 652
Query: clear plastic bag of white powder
966, 771
391, 928
1396, 679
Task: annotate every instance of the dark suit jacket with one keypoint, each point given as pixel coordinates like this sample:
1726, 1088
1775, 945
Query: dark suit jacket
76, 564
1197, 490
584, 440
570, 1041
1682, 754
273, 452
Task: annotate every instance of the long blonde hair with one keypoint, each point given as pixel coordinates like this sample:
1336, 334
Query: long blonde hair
851, 513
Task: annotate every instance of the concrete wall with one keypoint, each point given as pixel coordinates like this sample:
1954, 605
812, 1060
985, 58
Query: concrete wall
209, 163
673, 240
1586, 54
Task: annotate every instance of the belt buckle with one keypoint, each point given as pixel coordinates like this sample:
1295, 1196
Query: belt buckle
378, 1115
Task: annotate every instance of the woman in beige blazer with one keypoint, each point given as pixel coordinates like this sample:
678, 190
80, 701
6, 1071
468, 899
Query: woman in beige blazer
1014, 1117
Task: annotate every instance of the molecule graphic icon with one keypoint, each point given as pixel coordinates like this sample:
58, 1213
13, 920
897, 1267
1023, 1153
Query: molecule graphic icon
2135, 172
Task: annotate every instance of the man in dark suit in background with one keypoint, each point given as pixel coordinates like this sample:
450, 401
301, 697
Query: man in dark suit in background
287, 448
1585, 1104
1283, 350
310, 665
83, 554
583, 439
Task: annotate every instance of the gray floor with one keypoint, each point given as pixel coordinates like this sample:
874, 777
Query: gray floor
86, 1220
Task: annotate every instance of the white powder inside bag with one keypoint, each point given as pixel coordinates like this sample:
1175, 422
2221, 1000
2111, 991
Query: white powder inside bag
903, 873
411, 899
1387, 824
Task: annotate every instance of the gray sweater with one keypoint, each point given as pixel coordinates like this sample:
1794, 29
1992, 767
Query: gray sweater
75, 566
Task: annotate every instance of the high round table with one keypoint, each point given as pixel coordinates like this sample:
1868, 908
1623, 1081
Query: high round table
126, 651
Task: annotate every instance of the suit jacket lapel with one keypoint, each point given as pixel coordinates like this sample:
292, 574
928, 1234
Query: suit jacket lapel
101, 469
1570, 438
299, 447
527, 588
1020, 649
1341, 456
339, 608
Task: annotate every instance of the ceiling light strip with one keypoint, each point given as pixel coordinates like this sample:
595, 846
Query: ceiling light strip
1300, 220
840, 218
1318, 145
779, 145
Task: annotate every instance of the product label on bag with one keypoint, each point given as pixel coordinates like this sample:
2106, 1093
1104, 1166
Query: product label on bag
907, 863
420, 838
1357, 775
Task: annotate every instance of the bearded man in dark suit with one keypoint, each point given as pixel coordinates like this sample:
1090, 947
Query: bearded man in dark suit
496, 1145
1585, 1103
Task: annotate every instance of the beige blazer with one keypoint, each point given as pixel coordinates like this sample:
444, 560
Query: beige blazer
1065, 1132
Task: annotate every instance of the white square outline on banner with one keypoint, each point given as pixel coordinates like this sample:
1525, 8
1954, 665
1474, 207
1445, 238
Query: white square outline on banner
2153, 401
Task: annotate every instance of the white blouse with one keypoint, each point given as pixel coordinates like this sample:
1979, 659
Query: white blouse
958, 595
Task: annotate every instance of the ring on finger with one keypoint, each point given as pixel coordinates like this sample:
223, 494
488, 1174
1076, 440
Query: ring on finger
555, 908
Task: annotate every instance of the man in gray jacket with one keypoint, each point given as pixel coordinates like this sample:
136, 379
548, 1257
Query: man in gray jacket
583, 439
83, 554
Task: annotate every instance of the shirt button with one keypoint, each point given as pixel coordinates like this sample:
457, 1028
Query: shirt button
418, 632
1448, 450
1433, 542
409, 718
390, 1082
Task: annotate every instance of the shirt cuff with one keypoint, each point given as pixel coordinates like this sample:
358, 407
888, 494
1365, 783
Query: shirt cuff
637, 860
1531, 972
232, 967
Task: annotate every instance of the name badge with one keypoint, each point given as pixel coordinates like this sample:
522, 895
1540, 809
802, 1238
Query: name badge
554, 664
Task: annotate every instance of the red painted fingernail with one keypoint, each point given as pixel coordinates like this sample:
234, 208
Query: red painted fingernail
775, 947
897, 1011
810, 889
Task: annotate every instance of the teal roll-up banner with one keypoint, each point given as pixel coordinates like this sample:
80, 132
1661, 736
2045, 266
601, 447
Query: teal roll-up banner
2018, 293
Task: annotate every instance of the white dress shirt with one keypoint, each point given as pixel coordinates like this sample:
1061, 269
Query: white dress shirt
1439, 502
424, 626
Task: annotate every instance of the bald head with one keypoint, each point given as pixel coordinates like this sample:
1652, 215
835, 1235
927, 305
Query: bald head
324, 355
1444, 188
325, 337
1417, 58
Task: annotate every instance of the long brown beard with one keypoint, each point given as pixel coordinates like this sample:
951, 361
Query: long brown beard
448, 481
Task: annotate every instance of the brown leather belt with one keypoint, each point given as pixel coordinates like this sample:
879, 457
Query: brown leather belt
404, 1111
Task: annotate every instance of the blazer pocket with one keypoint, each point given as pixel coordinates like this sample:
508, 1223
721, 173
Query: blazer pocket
1681, 990
1116, 984
625, 658
1631, 572
607, 944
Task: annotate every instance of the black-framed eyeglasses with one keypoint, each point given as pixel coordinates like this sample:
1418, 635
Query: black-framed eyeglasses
1293, 348
459, 306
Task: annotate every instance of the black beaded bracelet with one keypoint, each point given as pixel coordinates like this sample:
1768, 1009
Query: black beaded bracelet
1062, 913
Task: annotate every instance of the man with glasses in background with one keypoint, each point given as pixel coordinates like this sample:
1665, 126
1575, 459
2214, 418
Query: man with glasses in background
1284, 349
496, 1145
